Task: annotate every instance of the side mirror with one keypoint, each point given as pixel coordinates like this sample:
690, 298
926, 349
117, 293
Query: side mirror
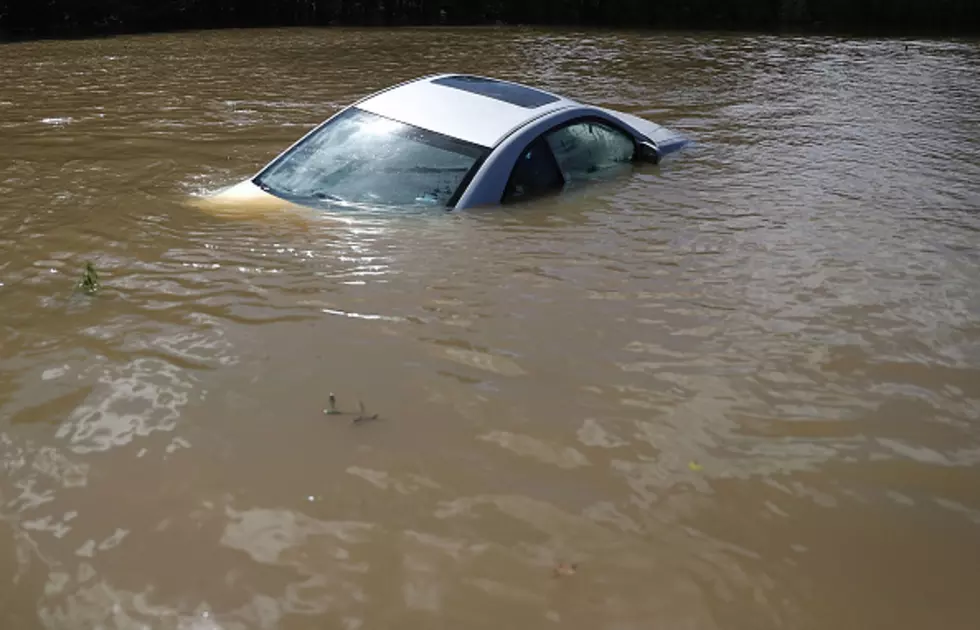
649, 152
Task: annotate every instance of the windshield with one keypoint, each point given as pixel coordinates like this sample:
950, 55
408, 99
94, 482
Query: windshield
359, 157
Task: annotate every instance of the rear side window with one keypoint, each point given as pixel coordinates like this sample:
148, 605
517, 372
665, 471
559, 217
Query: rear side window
535, 174
587, 150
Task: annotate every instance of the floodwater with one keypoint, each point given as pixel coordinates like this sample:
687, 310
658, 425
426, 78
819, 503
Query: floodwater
739, 390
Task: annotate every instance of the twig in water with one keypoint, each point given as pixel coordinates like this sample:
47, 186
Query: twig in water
363, 415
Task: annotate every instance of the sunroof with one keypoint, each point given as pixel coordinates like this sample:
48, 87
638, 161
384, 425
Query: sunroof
499, 90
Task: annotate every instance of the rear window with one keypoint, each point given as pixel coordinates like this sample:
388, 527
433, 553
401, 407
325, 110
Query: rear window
512, 93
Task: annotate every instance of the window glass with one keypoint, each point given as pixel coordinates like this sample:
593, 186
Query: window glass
588, 149
360, 157
534, 174
512, 93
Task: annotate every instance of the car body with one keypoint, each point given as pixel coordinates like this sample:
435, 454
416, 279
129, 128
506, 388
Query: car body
455, 141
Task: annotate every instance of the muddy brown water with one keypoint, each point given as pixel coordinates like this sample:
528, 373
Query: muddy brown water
740, 390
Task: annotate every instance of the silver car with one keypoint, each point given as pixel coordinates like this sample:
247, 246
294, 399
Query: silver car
455, 141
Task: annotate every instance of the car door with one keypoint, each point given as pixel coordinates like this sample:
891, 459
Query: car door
569, 155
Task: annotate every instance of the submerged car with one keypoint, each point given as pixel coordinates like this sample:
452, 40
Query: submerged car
455, 141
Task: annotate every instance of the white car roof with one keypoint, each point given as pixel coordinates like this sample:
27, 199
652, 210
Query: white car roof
471, 108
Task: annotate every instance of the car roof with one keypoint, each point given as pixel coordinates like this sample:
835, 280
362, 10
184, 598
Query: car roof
475, 109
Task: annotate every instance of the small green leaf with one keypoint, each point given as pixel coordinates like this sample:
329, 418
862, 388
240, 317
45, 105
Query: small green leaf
90, 280
694, 466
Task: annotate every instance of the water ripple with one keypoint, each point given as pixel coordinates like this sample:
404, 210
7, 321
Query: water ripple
710, 384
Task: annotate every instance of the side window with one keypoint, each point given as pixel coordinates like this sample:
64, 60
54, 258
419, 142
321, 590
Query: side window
588, 149
535, 174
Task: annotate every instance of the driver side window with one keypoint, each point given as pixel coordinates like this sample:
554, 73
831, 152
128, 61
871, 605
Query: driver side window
535, 174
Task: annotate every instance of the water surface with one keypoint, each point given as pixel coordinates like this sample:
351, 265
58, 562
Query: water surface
740, 390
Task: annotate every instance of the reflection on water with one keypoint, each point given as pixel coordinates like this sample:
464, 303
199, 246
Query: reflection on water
737, 390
